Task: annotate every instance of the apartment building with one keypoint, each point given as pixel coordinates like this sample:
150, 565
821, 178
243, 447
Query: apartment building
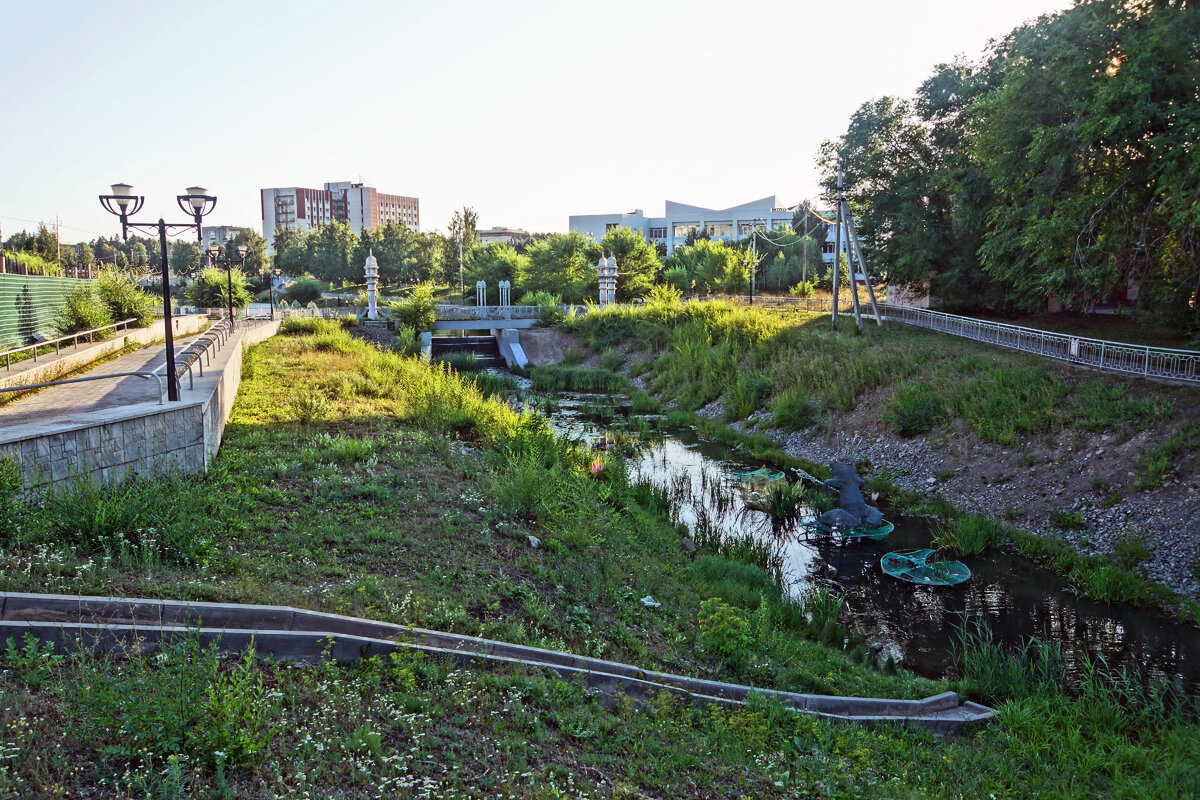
359, 206
219, 234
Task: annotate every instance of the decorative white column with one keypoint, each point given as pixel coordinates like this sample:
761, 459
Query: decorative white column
505, 293
481, 293
372, 270
606, 270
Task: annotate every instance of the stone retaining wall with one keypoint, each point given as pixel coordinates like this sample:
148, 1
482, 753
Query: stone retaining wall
144, 438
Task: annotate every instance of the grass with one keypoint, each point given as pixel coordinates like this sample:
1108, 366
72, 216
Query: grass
1159, 460
410, 501
795, 365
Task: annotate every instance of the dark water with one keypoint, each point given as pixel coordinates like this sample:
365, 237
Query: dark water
1013, 596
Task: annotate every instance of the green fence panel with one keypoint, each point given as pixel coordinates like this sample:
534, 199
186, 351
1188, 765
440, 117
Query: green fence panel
29, 305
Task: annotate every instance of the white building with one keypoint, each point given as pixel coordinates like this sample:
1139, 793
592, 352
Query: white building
509, 236
220, 234
672, 229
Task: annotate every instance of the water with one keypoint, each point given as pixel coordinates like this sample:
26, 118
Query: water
1013, 596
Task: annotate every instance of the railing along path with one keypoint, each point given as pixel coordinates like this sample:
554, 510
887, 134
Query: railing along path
1161, 363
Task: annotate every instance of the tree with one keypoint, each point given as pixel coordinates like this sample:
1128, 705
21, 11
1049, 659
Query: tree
84, 255
184, 258
563, 264
256, 250
637, 262
290, 248
139, 257
711, 265
331, 249
495, 263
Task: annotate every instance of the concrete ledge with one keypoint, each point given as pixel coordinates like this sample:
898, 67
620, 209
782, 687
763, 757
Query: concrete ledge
282, 632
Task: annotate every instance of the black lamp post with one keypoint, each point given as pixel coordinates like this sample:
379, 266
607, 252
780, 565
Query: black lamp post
271, 275
214, 257
124, 203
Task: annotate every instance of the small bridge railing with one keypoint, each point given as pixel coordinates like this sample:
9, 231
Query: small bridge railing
58, 343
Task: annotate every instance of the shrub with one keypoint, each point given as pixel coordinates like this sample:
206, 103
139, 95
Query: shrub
748, 395
803, 289
1130, 550
794, 409
406, 339
725, 632
665, 296
124, 298
916, 408
548, 307
83, 310
418, 311
304, 290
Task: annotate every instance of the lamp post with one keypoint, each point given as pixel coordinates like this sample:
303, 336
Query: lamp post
124, 204
271, 275
214, 257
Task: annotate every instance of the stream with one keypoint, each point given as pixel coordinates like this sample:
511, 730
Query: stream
915, 624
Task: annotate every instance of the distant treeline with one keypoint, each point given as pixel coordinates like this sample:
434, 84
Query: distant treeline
1064, 163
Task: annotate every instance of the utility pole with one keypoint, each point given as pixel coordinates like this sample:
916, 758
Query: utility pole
753, 259
462, 290
804, 263
57, 243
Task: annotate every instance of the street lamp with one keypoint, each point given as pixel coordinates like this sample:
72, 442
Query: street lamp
271, 275
214, 257
124, 204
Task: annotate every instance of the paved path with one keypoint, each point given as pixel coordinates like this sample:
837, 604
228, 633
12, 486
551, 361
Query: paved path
63, 404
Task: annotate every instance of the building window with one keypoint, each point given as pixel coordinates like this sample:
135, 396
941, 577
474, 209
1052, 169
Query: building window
719, 229
683, 231
658, 233
744, 228
783, 224
826, 247
608, 226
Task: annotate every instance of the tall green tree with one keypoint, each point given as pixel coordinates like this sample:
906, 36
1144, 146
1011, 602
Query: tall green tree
184, 258
637, 262
563, 264
711, 266
332, 248
498, 262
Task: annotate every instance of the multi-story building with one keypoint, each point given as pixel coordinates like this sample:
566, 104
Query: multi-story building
361, 207
672, 229
509, 236
219, 234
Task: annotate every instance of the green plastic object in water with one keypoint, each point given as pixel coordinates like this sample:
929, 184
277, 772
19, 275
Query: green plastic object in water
763, 475
914, 566
874, 534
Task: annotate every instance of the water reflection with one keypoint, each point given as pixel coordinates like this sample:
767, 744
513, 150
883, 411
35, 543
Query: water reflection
1014, 597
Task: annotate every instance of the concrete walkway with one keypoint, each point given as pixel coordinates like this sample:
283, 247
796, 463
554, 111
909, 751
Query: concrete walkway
76, 401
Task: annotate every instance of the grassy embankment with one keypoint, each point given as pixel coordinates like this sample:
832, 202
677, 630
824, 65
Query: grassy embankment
793, 366
367, 483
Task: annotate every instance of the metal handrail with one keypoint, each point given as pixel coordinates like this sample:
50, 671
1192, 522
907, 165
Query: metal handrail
1163, 363
43, 385
57, 342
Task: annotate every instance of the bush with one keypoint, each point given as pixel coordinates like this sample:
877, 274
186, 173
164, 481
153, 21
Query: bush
83, 310
916, 408
665, 296
304, 290
803, 289
725, 632
418, 311
748, 395
124, 298
548, 311
211, 289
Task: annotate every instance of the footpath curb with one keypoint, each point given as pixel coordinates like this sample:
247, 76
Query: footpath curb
115, 624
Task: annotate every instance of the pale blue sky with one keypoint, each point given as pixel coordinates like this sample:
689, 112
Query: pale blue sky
528, 111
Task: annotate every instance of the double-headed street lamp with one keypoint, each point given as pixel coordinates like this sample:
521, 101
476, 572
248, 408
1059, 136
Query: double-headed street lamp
124, 203
214, 257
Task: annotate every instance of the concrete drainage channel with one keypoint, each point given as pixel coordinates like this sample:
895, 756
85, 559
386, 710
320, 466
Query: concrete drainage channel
106, 624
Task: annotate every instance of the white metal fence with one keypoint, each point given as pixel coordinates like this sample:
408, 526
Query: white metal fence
1130, 359
1162, 363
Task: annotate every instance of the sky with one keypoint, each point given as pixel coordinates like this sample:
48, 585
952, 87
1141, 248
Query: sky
527, 111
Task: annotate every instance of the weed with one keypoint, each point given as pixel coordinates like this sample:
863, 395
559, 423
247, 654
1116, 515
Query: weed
1067, 520
916, 408
794, 409
611, 360
1130, 550
968, 535
725, 631
1159, 460
310, 407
